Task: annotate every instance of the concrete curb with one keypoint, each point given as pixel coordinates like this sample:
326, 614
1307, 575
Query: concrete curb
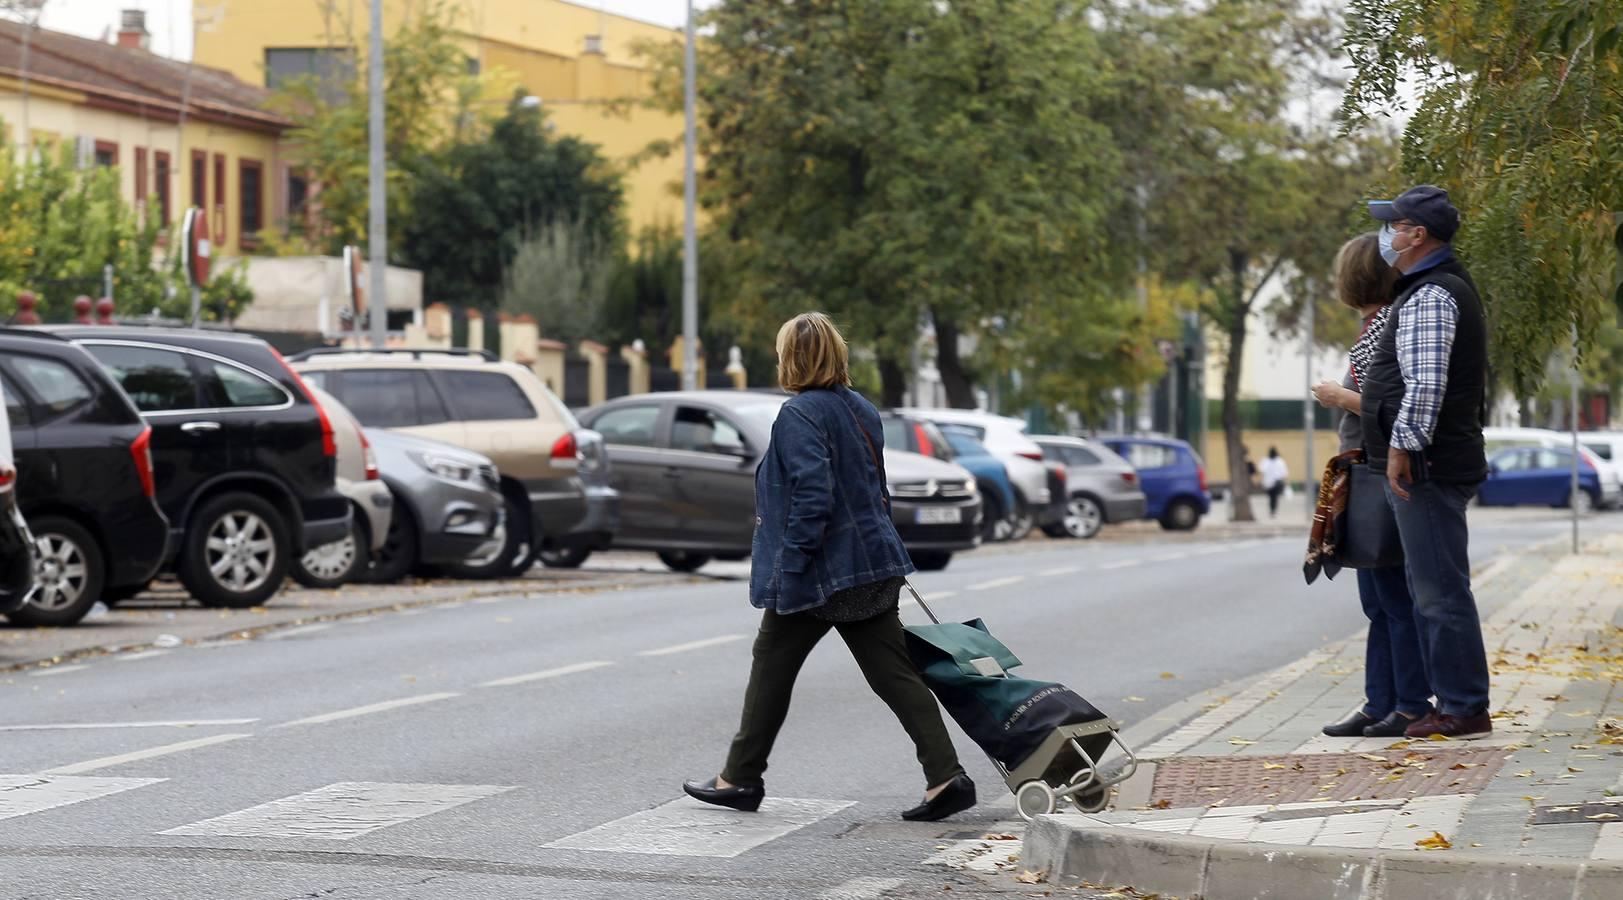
1076, 847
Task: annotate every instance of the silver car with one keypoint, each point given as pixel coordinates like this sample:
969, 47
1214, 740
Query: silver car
448, 504
341, 561
1100, 486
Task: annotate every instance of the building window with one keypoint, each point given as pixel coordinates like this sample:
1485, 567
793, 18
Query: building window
250, 198
298, 194
160, 178
140, 175
200, 179
106, 154
217, 227
332, 68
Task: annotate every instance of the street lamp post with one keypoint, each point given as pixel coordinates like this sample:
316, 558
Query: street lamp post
377, 228
690, 236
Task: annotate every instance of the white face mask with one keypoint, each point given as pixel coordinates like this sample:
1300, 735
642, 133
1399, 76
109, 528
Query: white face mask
1388, 252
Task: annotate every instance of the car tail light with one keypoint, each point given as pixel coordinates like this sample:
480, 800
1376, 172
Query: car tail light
1200, 472
1060, 473
566, 451
925, 447
371, 456
7, 478
1130, 477
329, 445
141, 452
1036, 455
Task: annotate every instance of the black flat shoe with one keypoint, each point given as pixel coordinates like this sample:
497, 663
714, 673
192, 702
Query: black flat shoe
743, 799
957, 796
1391, 726
1352, 726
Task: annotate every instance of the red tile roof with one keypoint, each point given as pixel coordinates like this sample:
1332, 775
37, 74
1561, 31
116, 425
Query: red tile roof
135, 81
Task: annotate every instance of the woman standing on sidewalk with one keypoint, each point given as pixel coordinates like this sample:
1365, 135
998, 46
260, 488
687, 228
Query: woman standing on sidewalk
826, 556
1396, 692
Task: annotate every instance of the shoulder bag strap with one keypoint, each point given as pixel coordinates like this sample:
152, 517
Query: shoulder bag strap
873, 452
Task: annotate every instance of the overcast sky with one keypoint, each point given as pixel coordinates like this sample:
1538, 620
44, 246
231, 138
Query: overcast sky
167, 20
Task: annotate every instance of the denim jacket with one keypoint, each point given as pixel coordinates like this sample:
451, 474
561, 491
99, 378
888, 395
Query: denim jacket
822, 508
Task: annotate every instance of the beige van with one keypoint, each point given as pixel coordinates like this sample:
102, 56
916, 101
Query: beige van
554, 474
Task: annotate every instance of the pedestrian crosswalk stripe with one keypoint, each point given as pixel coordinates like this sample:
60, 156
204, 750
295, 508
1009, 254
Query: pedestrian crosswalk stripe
686, 827
24, 794
341, 811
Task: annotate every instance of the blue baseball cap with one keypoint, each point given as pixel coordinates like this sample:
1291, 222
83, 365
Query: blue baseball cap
1424, 204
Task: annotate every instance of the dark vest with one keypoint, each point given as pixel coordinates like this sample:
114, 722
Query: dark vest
1455, 452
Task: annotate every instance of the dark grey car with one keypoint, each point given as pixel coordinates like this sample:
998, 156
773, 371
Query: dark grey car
684, 465
448, 504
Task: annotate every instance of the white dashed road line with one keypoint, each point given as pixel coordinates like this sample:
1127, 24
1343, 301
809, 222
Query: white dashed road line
85, 726
370, 708
1121, 564
693, 645
57, 670
106, 762
547, 673
144, 654
996, 583
295, 632
1058, 571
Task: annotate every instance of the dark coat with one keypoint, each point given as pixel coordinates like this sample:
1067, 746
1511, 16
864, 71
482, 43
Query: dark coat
822, 508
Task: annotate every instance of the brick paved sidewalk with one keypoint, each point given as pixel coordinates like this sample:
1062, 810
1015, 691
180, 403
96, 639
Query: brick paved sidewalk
1549, 783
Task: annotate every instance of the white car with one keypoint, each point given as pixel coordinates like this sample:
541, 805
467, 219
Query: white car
1007, 440
1609, 469
1608, 448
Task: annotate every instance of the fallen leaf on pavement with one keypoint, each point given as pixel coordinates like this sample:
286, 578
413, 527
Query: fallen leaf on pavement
1001, 837
1168, 675
1030, 877
1372, 757
1603, 817
1438, 737
1458, 766
1241, 742
1132, 699
1273, 765
1435, 842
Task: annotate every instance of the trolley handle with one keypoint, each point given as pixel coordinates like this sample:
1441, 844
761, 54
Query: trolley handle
922, 605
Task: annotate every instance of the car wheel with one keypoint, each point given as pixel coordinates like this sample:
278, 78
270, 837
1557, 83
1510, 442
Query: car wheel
565, 559
1582, 501
235, 552
1023, 521
991, 517
930, 560
1083, 517
68, 572
398, 556
512, 556
683, 561
334, 564
1181, 515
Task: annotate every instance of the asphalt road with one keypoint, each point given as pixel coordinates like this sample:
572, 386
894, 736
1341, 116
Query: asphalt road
534, 747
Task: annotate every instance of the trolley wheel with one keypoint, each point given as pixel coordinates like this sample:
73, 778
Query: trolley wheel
1092, 800
1033, 799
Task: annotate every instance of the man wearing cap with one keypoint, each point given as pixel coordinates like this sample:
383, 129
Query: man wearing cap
1423, 404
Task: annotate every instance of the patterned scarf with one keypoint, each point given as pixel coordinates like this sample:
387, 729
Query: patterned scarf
1321, 541
1364, 348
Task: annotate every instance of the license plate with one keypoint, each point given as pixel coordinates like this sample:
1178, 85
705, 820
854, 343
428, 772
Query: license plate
950, 515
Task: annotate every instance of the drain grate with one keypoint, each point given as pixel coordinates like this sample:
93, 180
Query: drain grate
1586, 812
1423, 770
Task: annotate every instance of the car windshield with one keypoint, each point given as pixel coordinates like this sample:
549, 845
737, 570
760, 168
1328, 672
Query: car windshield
963, 444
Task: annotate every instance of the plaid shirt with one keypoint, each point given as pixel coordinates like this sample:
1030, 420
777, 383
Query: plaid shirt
1425, 339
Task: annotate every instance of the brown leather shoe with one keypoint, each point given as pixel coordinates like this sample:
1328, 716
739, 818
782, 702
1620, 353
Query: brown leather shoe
1456, 728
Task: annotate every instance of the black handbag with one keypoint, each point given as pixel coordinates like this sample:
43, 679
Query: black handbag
1367, 531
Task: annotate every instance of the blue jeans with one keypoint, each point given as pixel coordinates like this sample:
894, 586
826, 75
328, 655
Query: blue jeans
1394, 666
1431, 525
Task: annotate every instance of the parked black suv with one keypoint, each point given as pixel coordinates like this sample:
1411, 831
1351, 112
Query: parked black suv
245, 460
84, 477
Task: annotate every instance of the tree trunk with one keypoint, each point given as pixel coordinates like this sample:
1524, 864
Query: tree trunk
1239, 473
892, 382
954, 380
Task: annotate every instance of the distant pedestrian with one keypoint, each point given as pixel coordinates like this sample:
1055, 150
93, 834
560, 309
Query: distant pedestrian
1274, 474
826, 556
1422, 410
1396, 694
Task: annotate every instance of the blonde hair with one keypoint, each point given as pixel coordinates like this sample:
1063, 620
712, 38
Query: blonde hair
812, 354
1362, 277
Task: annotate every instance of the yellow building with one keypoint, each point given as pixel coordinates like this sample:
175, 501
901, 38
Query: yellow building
583, 65
179, 135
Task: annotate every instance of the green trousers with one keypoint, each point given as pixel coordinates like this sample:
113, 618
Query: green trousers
783, 644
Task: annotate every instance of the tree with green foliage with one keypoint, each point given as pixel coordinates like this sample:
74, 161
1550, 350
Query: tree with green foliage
424, 68
560, 277
897, 162
1519, 115
474, 202
1236, 194
64, 224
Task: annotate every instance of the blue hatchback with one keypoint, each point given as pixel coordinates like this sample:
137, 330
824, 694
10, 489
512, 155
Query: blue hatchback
1538, 476
1173, 477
